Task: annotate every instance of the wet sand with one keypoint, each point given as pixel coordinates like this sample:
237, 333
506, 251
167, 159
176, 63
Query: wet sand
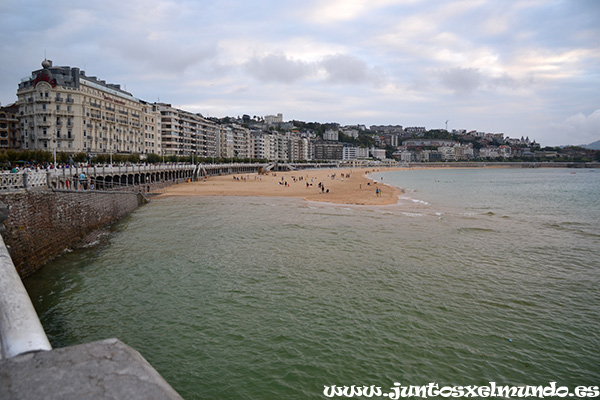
345, 186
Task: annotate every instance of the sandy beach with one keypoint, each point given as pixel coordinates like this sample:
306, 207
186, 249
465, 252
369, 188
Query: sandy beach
339, 186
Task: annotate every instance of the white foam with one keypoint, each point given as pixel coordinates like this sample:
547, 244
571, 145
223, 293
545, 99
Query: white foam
409, 214
420, 201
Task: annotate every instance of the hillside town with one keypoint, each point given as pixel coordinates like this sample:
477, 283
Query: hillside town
60, 109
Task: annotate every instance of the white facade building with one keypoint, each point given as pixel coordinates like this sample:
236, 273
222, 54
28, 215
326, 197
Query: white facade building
274, 119
62, 109
331, 134
184, 133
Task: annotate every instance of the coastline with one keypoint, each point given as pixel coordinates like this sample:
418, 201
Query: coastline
350, 186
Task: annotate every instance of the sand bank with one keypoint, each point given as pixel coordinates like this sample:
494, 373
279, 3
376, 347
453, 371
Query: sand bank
341, 186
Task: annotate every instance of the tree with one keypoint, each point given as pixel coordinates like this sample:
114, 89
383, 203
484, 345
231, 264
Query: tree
62, 158
153, 158
79, 157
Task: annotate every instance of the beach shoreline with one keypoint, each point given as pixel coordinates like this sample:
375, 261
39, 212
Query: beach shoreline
350, 186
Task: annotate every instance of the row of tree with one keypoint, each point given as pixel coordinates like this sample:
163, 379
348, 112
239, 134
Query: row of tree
11, 158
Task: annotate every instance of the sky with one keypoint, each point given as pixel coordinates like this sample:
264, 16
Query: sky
522, 68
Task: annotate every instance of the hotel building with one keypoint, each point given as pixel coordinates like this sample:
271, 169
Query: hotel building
62, 109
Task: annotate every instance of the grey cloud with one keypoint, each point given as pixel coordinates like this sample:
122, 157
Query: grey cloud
468, 80
278, 68
581, 128
166, 57
343, 68
338, 68
461, 80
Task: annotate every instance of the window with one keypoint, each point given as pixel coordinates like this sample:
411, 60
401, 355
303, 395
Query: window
58, 107
69, 134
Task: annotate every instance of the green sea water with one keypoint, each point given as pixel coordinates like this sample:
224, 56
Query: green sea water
474, 276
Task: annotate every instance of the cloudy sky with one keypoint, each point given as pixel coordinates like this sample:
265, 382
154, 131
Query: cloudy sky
523, 68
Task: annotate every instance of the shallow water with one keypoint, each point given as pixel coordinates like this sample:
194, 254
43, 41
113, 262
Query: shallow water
475, 276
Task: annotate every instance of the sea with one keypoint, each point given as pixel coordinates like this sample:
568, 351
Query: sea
475, 276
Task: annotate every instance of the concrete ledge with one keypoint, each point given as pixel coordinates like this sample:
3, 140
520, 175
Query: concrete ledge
20, 329
108, 369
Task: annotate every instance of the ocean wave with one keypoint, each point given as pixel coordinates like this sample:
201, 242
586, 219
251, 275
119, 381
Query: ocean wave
409, 214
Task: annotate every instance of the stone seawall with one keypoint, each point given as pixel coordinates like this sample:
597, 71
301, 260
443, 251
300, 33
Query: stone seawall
41, 224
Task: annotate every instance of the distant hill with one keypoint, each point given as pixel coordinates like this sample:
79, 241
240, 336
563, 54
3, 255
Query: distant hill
593, 146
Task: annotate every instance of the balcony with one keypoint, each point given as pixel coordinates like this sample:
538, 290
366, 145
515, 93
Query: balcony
64, 112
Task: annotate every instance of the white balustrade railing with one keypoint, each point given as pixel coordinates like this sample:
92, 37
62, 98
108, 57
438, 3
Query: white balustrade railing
11, 181
39, 178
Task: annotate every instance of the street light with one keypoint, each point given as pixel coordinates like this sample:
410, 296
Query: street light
54, 148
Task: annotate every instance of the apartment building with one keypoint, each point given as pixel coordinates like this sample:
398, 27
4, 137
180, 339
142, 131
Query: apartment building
10, 137
235, 141
60, 108
331, 134
184, 133
265, 145
328, 150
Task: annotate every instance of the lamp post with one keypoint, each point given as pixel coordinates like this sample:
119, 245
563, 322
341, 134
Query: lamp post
54, 148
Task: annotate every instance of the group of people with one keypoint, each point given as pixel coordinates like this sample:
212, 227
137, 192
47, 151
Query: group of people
80, 181
323, 190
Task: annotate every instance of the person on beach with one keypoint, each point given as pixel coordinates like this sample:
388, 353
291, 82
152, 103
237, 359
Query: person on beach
377, 192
